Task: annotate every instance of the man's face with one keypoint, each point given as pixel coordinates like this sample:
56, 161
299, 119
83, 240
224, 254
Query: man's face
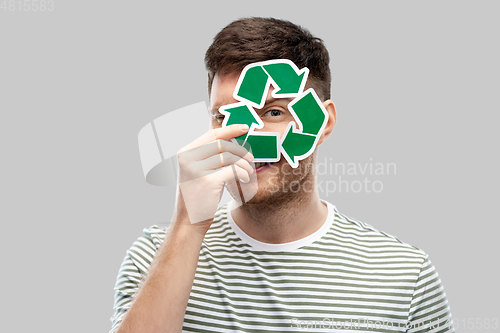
278, 180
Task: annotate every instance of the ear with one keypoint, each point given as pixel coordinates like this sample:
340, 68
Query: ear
332, 120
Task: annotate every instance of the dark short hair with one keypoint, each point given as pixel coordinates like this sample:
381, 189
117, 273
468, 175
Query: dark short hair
256, 39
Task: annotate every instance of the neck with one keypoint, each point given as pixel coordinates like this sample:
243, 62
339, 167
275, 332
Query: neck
282, 221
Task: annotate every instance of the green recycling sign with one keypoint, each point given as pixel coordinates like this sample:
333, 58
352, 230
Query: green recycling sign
301, 136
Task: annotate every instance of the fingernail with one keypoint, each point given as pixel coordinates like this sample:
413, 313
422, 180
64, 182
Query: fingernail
244, 127
249, 157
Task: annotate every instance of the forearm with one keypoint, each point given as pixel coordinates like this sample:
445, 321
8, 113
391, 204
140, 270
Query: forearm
160, 303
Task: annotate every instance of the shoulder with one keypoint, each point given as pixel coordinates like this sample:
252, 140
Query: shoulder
155, 234
366, 236
145, 246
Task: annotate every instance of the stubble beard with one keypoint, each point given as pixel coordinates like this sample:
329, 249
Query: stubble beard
284, 187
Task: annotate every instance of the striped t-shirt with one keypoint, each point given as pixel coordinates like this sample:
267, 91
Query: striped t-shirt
347, 276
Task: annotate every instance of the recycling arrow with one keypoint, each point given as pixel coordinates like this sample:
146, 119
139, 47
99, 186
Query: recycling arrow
301, 136
296, 145
311, 117
255, 80
253, 86
240, 113
287, 79
307, 108
264, 144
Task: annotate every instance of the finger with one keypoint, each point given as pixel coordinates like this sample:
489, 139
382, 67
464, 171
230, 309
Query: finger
230, 173
225, 159
218, 147
222, 133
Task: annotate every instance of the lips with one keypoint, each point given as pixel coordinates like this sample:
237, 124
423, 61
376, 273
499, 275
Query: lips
259, 164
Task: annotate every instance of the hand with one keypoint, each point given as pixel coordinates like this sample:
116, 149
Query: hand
204, 167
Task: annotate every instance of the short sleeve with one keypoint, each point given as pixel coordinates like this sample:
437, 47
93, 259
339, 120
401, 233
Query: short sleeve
133, 270
429, 309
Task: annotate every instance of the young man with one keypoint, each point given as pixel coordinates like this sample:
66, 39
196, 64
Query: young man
284, 260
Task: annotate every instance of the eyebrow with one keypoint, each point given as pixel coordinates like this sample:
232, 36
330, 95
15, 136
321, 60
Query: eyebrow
216, 108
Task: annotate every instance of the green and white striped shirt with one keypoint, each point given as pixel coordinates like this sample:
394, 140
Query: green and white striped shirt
346, 276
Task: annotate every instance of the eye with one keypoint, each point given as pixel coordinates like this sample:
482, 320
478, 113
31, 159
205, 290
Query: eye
273, 113
218, 117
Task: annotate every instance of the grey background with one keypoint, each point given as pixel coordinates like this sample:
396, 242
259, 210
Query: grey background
414, 83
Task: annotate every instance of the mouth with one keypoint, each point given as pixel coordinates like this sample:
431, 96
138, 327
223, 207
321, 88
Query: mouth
260, 166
